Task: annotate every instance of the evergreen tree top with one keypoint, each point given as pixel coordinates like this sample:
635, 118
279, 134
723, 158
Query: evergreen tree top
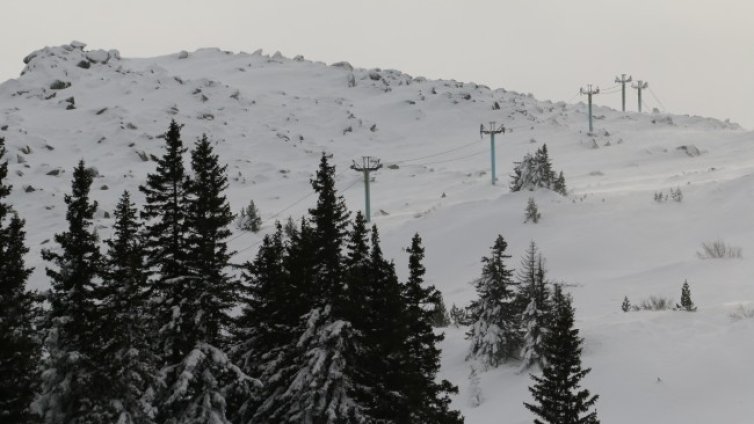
4, 188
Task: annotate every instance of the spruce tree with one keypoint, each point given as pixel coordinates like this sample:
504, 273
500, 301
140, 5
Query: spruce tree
127, 354
320, 379
428, 399
558, 397
440, 316
330, 221
71, 386
686, 303
534, 302
204, 386
559, 185
494, 332
19, 347
265, 330
165, 238
386, 338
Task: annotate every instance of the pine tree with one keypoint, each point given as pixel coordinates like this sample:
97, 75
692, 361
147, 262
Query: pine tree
320, 378
71, 385
686, 303
532, 212
265, 331
428, 399
165, 238
534, 301
558, 397
386, 337
559, 185
208, 218
19, 347
330, 221
440, 316
458, 316
205, 384
626, 305
127, 355
545, 176
494, 333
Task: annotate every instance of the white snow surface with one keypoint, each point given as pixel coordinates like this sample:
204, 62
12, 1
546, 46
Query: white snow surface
271, 117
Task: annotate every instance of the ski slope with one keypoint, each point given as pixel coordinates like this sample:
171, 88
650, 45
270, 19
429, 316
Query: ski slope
271, 117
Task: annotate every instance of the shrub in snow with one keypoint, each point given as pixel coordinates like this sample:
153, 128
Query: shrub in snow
656, 303
686, 303
532, 212
249, 219
742, 312
718, 250
475, 392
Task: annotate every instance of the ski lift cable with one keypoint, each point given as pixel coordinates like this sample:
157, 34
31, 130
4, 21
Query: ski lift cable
438, 153
283, 210
664, 109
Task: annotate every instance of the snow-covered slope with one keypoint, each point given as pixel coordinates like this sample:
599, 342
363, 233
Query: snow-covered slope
271, 118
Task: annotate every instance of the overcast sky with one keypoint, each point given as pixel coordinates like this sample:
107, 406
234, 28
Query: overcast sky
697, 55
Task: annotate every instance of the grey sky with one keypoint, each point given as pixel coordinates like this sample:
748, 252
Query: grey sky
697, 55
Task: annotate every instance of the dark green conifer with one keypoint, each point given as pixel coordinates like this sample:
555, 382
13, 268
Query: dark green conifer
71, 386
19, 346
558, 397
686, 303
428, 399
127, 355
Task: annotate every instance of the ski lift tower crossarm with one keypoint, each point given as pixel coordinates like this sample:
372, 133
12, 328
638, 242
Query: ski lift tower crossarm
640, 85
491, 130
622, 80
590, 92
368, 164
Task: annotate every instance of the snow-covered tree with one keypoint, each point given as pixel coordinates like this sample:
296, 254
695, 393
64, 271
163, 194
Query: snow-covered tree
69, 391
534, 299
19, 347
475, 391
249, 218
558, 396
204, 386
535, 171
494, 333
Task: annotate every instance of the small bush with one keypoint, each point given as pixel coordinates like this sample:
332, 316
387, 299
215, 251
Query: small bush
742, 312
656, 303
532, 212
718, 250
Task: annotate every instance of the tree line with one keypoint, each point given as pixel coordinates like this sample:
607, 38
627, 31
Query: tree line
140, 328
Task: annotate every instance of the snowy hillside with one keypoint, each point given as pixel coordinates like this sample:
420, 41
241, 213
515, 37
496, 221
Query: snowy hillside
272, 116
